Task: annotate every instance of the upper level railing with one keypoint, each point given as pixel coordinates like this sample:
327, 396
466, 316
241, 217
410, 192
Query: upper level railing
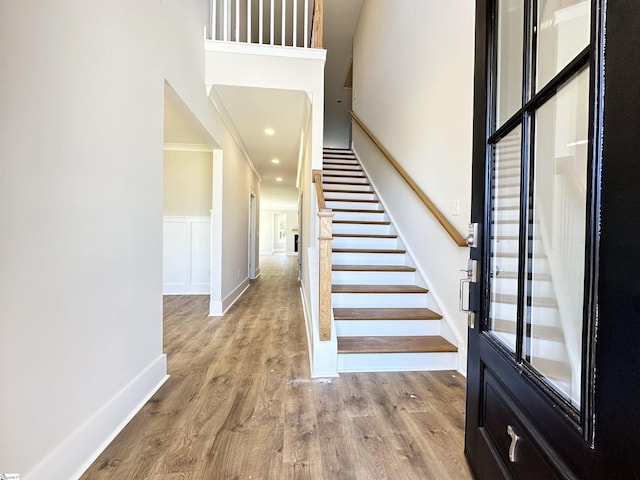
435, 211
288, 23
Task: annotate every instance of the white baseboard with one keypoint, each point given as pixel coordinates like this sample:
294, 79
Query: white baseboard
219, 308
79, 450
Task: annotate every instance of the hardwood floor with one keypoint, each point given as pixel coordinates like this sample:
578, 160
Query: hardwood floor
240, 404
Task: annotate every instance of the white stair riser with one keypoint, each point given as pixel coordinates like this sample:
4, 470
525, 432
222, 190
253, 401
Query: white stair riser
506, 229
553, 350
544, 316
335, 196
353, 205
352, 188
510, 264
509, 213
387, 328
379, 300
368, 258
340, 179
507, 189
361, 228
508, 202
373, 278
364, 242
397, 362
511, 246
359, 216
342, 172
509, 286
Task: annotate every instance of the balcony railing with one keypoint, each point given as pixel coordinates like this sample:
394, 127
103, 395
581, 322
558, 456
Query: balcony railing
288, 23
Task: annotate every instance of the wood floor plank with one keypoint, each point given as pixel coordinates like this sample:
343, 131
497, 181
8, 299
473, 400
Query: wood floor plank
240, 403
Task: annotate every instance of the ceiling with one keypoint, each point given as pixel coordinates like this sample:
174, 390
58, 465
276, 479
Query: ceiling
251, 110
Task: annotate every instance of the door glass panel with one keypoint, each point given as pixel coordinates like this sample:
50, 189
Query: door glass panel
563, 31
553, 344
505, 228
509, 58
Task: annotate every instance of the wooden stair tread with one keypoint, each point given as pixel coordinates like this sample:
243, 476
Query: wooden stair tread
385, 314
373, 268
368, 250
340, 288
424, 344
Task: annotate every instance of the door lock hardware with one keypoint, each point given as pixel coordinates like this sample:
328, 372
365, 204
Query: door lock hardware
471, 276
472, 235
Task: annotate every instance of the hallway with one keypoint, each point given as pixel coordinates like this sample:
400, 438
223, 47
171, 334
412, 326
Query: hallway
240, 405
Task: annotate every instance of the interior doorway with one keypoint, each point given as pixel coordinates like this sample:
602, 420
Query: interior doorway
279, 233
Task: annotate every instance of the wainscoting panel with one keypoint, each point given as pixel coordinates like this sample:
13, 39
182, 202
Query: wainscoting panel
186, 255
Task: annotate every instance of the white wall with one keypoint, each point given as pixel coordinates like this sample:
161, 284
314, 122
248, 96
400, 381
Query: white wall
413, 83
188, 180
81, 137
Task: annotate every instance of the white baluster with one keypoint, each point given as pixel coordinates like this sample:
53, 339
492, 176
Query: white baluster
237, 39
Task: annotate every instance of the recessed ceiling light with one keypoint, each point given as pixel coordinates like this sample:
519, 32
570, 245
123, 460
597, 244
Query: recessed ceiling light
279, 179
275, 160
269, 131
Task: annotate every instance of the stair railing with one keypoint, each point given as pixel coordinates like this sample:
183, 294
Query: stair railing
324, 254
458, 239
287, 23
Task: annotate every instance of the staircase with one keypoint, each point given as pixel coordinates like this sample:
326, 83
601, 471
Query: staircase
384, 315
548, 352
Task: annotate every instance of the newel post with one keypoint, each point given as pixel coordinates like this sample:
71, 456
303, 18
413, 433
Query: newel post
325, 246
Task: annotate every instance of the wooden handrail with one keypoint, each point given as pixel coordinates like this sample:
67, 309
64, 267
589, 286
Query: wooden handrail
435, 211
317, 179
324, 259
317, 23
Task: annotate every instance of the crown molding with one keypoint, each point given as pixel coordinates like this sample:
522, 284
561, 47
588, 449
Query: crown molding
214, 95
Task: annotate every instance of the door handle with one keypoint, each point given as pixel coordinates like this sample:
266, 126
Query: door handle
471, 271
514, 441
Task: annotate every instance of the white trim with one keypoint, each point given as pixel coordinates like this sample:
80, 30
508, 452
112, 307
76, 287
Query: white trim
187, 147
257, 49
217, 309
308, 324
79, 450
